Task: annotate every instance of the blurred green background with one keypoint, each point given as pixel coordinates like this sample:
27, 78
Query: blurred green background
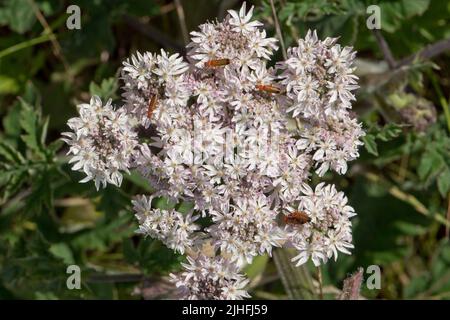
399, 186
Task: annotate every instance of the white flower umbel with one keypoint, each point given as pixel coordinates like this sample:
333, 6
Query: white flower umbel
102, 143
210, 278
238, 140
229, 149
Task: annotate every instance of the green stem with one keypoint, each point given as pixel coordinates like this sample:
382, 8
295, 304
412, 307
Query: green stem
24, 45
278, 30
444, 104
297, 281
319, 279
442, 98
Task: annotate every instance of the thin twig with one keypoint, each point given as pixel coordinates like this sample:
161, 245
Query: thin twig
165, 9
278, 30
182, 19
385, 49
56, 46
408, 198
447, 228
403, 167
442, 98
428, 52
320, 280
116, 278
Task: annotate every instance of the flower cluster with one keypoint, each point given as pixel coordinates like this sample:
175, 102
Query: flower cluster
328, 229
238, 140
210, 278
237, 39
157, 78
169, 226
318, 79
103, 142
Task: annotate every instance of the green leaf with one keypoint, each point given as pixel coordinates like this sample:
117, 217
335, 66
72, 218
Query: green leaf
102, 235
370, 144
393, 13
30, 121
62, 251
430, 164
106, 90
416, 285
389, 132
41, 195
18, 15
413, 8
10, 154
443, 182
11, 122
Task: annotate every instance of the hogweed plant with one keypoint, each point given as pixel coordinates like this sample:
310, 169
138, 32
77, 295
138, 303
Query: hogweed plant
237, 139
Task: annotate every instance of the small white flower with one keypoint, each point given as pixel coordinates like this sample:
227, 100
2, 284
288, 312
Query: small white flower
241, 21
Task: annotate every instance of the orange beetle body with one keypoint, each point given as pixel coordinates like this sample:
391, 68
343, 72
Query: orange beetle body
217, 63
296, 217
268, 88
152, 105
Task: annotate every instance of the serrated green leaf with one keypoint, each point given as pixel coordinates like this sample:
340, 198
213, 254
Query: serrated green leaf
389, 132
41, 195
30, 123
11, 154
370, 144
106, 90
44, 130
416, 285
15, 182
11, 122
